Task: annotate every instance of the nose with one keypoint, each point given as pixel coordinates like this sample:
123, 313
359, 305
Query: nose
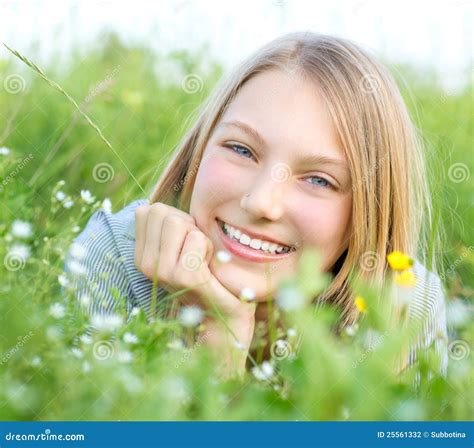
265, 199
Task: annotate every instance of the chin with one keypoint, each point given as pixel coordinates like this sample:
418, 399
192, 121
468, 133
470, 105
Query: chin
234, 282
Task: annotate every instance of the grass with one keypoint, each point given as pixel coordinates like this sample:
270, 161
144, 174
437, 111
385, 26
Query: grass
126, 117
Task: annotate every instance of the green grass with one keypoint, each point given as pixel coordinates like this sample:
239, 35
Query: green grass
128, 93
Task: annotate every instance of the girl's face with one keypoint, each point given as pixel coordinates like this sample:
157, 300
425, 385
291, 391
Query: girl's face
274, 169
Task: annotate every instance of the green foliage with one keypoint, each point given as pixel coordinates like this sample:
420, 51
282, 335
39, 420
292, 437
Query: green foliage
51, 368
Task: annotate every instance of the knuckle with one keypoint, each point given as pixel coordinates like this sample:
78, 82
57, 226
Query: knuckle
173, 219
148, 268
141, 210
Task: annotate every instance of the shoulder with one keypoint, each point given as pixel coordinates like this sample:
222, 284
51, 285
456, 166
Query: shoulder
105, 231
428, 306
108, 242
428, 297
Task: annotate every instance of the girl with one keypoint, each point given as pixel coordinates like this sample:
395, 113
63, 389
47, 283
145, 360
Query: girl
308, 144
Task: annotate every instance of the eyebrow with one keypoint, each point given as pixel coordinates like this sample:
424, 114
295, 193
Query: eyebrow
249, 130
312, 159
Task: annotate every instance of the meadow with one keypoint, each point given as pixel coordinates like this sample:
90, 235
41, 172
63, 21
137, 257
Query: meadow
55, 171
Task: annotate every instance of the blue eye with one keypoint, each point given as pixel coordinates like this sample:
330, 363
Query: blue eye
236, 149
320, 182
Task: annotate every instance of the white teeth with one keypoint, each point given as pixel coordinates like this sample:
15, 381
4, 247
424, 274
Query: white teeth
244, 239
255, 243
273, 247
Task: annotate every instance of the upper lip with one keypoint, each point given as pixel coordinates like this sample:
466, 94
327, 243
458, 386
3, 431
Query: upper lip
260, 236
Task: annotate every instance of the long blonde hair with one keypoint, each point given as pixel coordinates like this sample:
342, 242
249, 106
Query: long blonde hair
383, 150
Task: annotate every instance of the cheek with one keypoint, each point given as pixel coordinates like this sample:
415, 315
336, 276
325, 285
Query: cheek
325, 223
217, 181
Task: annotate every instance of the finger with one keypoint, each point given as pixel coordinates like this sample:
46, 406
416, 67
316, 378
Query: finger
173, 234
193, 256
141, 213
150, 254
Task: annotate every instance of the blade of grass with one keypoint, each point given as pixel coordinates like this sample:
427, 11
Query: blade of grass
56, 86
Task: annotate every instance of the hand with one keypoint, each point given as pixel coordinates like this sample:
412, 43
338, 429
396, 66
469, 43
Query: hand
172, 250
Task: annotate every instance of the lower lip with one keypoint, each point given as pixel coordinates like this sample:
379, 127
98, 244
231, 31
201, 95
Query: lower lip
247, 252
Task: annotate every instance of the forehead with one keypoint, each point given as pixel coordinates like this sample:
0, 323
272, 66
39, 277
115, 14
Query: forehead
287, 111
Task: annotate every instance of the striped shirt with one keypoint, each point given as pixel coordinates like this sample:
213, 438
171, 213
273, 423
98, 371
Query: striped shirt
109, 240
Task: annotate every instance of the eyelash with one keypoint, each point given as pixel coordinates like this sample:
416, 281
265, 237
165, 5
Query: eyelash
233, 146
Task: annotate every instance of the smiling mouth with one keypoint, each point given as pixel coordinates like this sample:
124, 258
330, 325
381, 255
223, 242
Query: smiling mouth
261, 246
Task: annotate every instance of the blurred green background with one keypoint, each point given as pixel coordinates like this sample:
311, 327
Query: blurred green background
141, 102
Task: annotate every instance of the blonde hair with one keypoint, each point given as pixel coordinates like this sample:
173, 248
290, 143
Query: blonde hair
383, 150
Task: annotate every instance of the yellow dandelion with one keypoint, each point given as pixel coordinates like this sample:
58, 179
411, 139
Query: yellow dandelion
406, 278
361, 304
399, 261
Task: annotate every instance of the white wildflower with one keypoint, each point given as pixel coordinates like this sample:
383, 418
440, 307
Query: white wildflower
247, 294
351, 330
86, 339
76, 229
77, 352
108, 322
125, 356
53, 333
68, 204
78, 251
176, 388
76, 268
4, 151
291, 332
176, 344
290, 298
107, 205
223, 256
36, 361
87, 197
190, 316
21, 251
457, 313
130, 338
63, 281
57, 310
85, 300
263, 372
135, 311
60, 196
86, 367
61, 183
240, 345
21, 229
